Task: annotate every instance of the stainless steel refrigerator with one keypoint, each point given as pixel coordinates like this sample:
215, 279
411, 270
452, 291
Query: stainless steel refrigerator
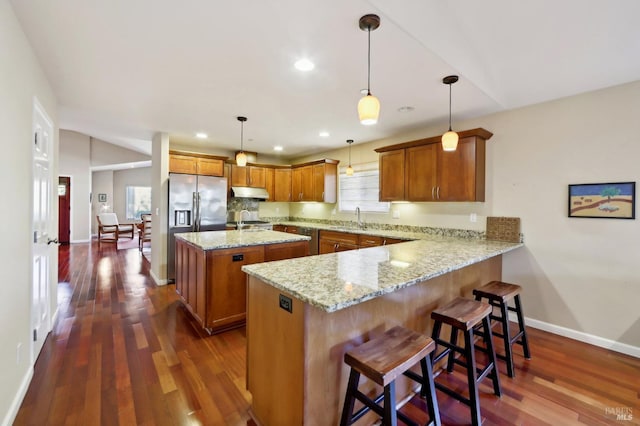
196, 203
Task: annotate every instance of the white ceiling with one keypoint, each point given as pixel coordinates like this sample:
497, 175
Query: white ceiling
124, 70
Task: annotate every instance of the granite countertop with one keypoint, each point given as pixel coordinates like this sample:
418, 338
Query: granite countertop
213, 240
338, 280
401, 235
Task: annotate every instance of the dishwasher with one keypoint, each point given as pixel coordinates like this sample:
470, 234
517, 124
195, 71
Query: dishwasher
313, 243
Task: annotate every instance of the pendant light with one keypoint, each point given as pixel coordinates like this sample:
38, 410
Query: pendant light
241, 157
450, 139
349, 171
369, 105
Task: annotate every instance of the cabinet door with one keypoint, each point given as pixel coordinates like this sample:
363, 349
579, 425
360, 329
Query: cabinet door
369, 241
421, 172
282, 184
257, 177
332, 241
227, 174
392, 176
227, 286
306, 176
210, 167
461, 172
182, 164
285, 250
239, 175
296, 184
318, 182
269, 182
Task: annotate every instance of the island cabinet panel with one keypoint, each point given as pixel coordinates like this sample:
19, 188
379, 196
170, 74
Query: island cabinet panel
286, 251
190, 279
282, 185
301, 352
227, 290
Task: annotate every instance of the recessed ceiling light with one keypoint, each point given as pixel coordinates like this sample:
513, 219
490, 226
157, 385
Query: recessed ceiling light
201, 135
323, 134
304, 65
406, 109
277, 148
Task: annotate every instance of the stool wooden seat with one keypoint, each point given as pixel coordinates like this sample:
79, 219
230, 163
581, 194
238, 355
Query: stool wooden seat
499, 294
382, 360
465, 315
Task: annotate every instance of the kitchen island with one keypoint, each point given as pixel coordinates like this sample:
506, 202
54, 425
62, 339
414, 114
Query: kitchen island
209, 278
304, 314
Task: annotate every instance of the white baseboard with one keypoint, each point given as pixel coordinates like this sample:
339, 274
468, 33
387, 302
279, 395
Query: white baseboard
17, 400
79, 241
580, 336
157, 280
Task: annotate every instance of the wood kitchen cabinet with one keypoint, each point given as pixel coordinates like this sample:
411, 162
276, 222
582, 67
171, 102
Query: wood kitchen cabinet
196, 164
286, 228
282, 184
252, 176
335, 241
422, 171
315, 181
376, 240
212, 285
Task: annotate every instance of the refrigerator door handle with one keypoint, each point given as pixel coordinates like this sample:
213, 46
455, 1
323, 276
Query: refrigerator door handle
196, 213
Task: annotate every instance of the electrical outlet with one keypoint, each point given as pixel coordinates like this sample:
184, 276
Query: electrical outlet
285, 303
18, 352
396, 214
473, 217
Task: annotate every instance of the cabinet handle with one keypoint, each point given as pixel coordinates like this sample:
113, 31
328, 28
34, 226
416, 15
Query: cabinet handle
335, 246
384, 242
438, 193
322, 195
433, 192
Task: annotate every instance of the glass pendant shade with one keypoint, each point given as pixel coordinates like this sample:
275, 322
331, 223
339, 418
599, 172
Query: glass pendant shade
349, 170
369, 109
241, 158
450, 141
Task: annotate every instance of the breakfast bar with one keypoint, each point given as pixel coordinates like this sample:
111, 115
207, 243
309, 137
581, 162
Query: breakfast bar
303, 314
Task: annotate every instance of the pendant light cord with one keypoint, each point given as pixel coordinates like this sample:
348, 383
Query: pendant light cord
242, 133
449, 107
369, 63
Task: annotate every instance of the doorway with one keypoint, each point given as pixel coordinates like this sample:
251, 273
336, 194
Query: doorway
64, 209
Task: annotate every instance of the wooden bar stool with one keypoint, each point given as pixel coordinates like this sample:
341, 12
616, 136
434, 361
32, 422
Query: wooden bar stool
382, 360
498, 294
463, 315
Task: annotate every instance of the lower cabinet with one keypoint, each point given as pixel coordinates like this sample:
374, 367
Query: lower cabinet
212, 285
335, 241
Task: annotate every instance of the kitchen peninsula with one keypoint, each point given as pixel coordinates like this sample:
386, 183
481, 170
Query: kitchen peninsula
208, 276
304, 314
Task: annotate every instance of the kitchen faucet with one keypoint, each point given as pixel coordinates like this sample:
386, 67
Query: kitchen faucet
240, 224
360, 223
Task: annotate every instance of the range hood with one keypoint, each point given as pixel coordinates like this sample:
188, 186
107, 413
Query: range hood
248, 192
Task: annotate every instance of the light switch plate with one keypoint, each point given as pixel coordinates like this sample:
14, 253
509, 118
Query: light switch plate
396, 214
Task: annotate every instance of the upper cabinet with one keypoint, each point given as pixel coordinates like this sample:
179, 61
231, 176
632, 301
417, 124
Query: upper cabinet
281, 185
422, 171
196, 164
253, 176
315, 181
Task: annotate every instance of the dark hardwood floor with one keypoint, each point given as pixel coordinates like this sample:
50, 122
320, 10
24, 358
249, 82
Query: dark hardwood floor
125, 352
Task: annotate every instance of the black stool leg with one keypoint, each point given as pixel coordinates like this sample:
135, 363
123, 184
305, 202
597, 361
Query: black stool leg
506, 337
429, 391
350, 399
474, 397
390, 418
520, 315
495, 377
454, 342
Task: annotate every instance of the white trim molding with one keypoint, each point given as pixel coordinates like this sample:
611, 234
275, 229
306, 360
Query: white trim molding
17, 400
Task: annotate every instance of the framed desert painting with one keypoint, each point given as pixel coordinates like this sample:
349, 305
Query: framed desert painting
603, 200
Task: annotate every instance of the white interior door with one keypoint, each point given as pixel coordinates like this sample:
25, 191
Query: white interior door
42, 225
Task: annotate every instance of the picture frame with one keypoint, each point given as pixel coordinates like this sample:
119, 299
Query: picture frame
102, 198
616, 200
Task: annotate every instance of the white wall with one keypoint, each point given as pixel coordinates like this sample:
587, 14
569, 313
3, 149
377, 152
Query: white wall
576, 273
74, 161
140, 176
106, 154
101, 183
159, 206
21, 79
